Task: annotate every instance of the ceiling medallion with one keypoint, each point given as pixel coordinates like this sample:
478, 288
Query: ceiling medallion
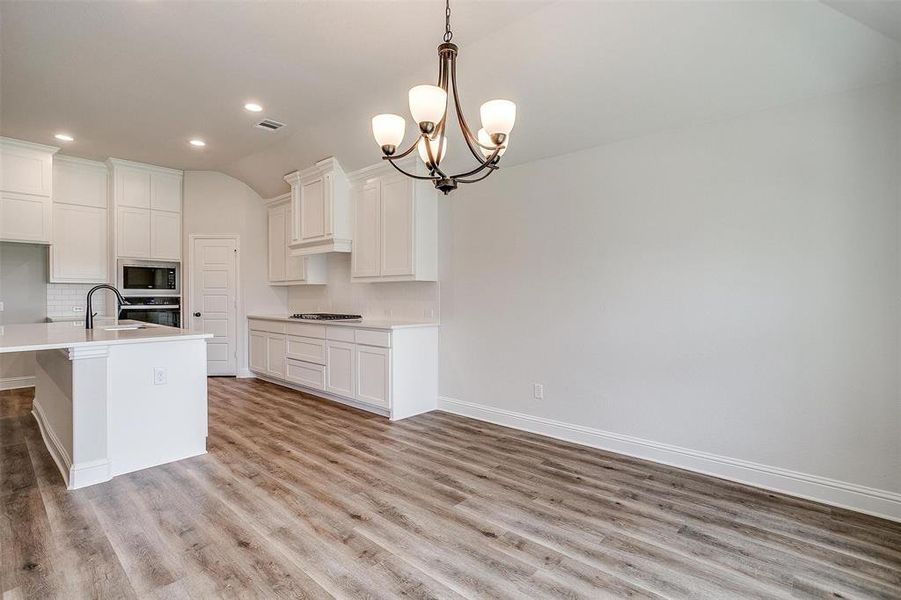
428, 105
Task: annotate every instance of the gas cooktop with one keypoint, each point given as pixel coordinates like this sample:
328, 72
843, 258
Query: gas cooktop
326, 317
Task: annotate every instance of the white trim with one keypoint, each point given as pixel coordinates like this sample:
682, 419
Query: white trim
121, 162
58, 452
286, 197
89, 473
8, 141
872, 501
15, 383
244, 374
239, 300
326, 395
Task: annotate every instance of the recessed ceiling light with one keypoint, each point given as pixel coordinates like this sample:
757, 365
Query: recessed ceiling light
198, 143
65, 137
253, 107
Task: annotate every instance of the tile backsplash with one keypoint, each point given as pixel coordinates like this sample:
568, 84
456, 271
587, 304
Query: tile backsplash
404, 301
62, 298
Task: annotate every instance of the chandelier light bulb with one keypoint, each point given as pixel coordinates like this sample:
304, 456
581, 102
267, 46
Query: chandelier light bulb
498, 116
427, 103
485, 140
424, 155
388, 129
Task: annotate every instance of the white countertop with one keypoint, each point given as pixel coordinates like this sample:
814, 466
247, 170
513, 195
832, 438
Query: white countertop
47, 336
361, 324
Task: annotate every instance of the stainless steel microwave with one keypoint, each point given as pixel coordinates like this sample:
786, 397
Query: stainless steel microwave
149, 278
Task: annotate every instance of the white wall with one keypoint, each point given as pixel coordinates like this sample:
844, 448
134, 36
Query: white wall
215, 203
404, 301
731, 289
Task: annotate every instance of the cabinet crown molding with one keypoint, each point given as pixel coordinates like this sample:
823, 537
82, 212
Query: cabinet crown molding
120, 162
7, 142
323, 166
76, 160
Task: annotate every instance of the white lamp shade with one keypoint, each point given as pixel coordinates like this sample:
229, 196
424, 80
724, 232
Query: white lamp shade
485, 140
498, 116
388, 129
424, 155
427, 103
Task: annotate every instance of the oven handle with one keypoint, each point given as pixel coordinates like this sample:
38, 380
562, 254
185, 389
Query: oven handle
153, 306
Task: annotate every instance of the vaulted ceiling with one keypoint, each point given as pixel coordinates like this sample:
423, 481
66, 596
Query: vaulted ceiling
136, 80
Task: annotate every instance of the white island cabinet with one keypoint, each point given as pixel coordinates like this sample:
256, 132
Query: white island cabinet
118, 398
390, 368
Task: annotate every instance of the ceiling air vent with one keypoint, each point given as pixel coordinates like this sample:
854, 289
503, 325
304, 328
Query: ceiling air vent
269, 125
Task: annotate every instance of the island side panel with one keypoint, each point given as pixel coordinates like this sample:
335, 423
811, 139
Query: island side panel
152, 423
52, 406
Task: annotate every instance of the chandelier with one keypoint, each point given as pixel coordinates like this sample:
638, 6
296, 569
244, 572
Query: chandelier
428, 105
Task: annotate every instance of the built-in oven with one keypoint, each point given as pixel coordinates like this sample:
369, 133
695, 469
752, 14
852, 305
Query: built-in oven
144, 277
161, 310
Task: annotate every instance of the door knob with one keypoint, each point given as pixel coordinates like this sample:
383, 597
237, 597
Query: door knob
196, 314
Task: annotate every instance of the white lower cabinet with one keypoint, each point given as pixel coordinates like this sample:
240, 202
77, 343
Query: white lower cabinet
373, 375
339, 377
392, 372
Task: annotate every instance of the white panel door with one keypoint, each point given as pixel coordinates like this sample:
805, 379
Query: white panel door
373, 375
213, 304
165, 235
133, 187
366, 258
258, 359
314, 210
278, 227
295, 266
133, 232
79, 251
275, 355
340, 369
25, 218
397, 222
165, 191
79, 183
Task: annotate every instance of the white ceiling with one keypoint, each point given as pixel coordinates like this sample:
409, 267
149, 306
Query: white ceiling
882, 15
137, 79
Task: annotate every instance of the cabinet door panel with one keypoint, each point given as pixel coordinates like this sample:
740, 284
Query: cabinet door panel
275, 355
165, 231
340, 368
367, 224
25, 218
79, 251
306, 349
133, 232
133, 187
77, 183
313, 209
25, 171
165, 191
373, 375
277, 243
258, 358
397, 226
295, 266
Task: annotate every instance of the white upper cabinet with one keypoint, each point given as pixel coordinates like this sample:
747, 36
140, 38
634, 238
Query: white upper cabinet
148, 207
26, 187
284, 267
395, 227
79, 252
320, 209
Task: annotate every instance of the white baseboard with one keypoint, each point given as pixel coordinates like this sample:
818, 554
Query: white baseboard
245, 374
58, 452
325, 395
89, 473
880, 503
14, 383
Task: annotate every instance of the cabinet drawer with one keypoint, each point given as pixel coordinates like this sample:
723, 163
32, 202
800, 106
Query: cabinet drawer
373, 338
307, 330
308, 349
340, 334
305, 373
270, 326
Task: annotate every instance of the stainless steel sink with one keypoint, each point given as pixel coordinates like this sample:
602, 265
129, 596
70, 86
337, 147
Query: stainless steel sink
124, 327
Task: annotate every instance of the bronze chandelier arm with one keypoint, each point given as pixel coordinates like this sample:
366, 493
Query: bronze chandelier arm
422, 177
477, 179
433, 164
468, 137
405, 152
488, 164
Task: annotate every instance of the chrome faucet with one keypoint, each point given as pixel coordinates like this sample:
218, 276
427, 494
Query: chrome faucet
89, 317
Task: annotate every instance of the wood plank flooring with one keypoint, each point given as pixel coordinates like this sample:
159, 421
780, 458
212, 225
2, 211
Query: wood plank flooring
303, 498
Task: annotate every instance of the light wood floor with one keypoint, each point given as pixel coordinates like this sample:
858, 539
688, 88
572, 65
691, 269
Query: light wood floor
303, 498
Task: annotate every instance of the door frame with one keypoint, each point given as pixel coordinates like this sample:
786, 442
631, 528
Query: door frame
239, 300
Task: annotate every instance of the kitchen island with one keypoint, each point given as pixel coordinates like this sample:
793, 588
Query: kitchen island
114, 399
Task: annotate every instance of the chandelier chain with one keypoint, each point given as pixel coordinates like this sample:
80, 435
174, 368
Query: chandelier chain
448, 34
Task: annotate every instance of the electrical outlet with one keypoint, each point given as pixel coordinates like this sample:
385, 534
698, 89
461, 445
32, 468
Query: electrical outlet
78, 309
538, 391
159, 376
